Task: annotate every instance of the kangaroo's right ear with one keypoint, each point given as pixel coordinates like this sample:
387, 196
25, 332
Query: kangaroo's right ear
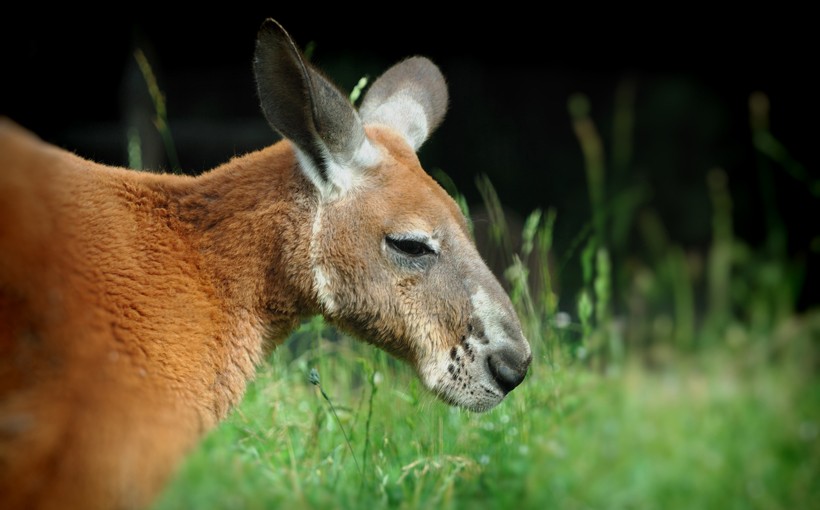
309, 110
411, 97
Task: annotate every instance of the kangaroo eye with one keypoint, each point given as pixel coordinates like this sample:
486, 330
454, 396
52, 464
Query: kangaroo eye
409, 247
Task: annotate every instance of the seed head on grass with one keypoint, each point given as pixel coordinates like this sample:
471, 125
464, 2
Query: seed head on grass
313, 377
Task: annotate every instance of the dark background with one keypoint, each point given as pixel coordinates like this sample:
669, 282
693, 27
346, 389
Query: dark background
70, 77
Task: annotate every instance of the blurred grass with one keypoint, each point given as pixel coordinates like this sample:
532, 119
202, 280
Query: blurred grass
674, 378
160, 119
720, 431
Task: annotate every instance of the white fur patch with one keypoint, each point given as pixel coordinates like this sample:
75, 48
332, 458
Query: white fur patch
491, 315
342, 176
405, 115
321, 281
310, 170
367, 156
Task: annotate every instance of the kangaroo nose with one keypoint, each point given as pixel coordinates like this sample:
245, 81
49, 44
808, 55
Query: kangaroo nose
508, 368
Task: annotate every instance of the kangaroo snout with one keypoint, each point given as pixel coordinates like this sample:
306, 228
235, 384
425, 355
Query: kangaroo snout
509, 366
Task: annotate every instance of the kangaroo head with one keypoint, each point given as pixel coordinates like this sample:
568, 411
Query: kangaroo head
391, 257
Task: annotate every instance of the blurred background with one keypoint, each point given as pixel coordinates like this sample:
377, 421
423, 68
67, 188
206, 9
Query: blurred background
669, 92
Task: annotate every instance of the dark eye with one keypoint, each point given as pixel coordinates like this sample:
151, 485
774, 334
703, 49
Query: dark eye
409, 247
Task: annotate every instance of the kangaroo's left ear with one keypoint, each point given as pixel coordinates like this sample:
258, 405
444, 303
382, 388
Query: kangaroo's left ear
410, 97
311, 112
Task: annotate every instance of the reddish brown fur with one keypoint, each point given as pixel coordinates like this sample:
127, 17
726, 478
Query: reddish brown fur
133, 306
132, 313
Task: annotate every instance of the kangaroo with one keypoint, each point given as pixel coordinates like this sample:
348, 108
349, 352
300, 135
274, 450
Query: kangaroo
134, 307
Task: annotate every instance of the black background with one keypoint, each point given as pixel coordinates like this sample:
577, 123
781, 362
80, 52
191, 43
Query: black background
70, 77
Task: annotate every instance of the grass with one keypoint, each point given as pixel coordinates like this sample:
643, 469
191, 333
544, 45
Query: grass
671, 379
713, 431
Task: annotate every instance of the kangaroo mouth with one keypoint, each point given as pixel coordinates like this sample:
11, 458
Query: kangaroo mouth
474, 376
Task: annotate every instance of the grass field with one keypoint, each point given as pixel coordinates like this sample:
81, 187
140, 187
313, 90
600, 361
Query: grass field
725, 429
672, 379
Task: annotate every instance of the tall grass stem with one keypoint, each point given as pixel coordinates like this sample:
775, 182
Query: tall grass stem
161, 115
314, 379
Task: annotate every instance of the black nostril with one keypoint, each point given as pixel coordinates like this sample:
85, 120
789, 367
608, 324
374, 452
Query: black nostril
506, 372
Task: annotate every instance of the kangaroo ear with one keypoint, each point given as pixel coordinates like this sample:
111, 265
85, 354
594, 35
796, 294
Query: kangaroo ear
411, 97
303, 106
